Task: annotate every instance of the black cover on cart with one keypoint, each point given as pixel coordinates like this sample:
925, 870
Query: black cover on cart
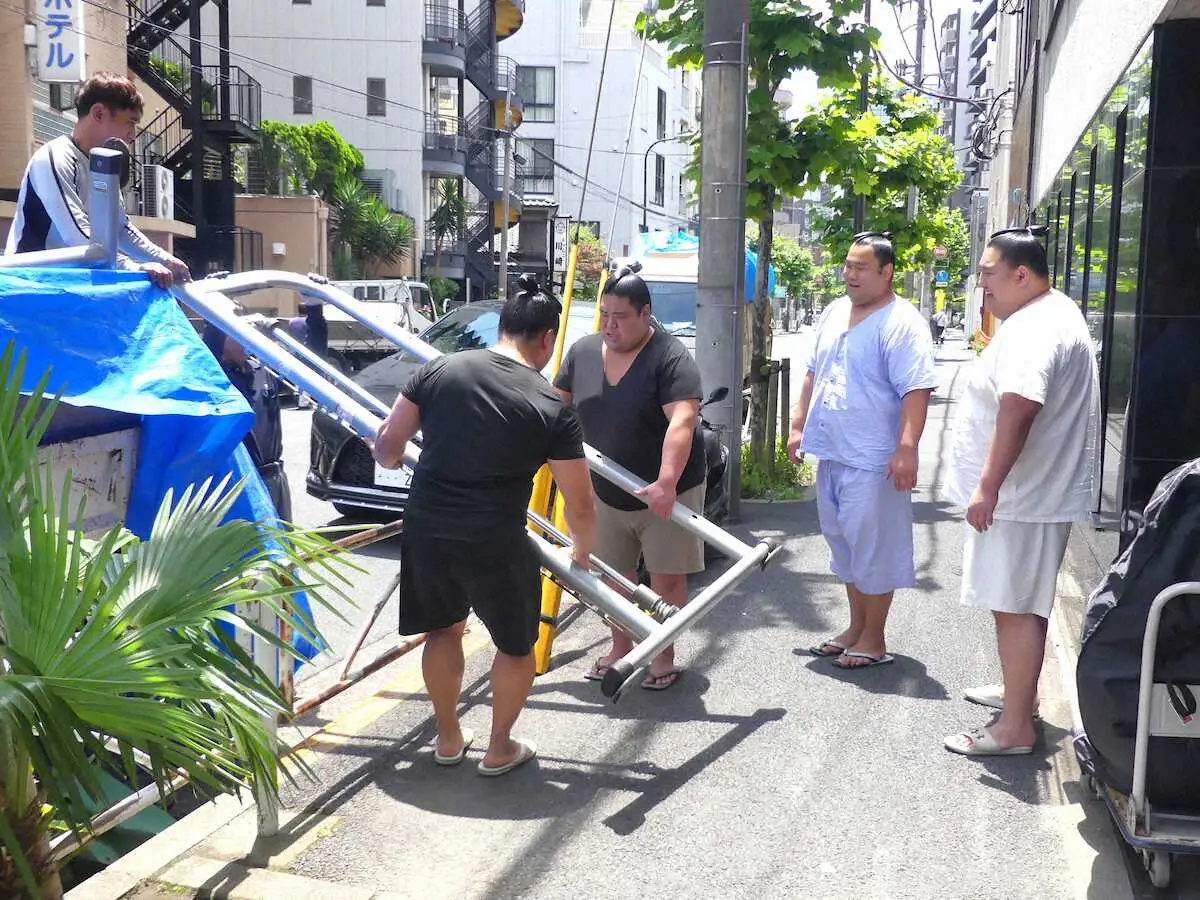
1165, 550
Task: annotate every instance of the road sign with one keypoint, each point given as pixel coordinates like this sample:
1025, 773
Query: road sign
941, 278
940, 252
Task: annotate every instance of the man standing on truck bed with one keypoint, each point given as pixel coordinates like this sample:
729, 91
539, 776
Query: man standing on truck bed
52, 208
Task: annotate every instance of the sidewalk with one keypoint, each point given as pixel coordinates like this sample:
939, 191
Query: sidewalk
764, 773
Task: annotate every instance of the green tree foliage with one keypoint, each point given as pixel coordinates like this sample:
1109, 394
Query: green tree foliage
307, 158
367, 235
590, 263
448, 218
880, 154
785, 36
794, 269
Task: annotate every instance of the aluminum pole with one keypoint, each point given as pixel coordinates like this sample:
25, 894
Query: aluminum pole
625, 669
721, 289
503, 292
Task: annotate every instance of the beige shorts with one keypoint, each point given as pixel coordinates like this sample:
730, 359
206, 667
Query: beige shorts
1013, 566
623, 535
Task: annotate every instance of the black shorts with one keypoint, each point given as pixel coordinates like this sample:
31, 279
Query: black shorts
441, 581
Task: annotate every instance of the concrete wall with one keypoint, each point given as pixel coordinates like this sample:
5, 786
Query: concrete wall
105, 23
1092, 43
343, 43
301, 224
16, 103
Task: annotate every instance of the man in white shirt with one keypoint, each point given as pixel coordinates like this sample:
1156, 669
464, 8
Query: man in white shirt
52, 204
1024, 468
861, 412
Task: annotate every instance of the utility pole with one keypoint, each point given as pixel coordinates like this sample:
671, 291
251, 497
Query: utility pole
910, 278
860, 202
720, 294
504, 194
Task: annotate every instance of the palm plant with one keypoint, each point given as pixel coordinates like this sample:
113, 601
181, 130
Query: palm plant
448, 218
119, 641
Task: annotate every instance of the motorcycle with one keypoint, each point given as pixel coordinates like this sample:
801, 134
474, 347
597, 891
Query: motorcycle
716, 462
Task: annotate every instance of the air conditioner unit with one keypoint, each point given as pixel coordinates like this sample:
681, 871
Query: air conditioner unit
158, 192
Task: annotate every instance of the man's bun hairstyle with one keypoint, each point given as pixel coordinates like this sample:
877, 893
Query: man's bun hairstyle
626, 282
530, 310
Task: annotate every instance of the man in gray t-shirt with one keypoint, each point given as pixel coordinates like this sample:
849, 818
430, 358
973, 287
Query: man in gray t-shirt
637, 390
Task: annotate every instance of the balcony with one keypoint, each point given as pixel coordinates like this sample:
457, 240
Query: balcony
232, 107
980, 44
444, 48
985, 15
979, 75
510, 16
447, 258
445, 146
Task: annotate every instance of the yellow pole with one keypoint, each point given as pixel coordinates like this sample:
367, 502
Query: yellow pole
551, 592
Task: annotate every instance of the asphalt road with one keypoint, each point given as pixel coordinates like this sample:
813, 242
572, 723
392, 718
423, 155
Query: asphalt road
764, 772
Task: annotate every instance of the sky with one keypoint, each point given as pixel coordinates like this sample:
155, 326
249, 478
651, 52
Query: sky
892, 43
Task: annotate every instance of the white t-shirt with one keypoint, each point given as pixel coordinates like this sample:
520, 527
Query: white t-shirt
1042, 352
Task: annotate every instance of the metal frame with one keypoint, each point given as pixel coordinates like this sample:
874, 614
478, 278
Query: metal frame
589, 589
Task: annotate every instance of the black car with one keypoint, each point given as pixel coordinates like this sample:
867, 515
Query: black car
341, 467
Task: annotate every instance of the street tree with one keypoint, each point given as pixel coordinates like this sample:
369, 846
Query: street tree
590, 263
794, 269
880, 154
784, 36
448, 218
366, 234
307, 158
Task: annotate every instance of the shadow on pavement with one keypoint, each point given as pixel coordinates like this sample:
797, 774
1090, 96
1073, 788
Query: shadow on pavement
906, 677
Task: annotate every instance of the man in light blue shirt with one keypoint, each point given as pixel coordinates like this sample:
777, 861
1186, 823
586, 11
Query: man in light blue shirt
861, 413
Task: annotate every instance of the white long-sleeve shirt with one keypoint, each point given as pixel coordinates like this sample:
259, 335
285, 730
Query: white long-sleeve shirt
52, 207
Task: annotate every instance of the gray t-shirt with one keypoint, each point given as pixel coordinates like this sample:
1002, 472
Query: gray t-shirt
626, 421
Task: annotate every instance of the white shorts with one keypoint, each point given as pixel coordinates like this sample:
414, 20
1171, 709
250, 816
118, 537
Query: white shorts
1013, 566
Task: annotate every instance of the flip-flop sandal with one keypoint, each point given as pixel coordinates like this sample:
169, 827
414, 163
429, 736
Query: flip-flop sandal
598, 671
979, 742
819, 649
527, 751
468, 739
872, 660
651, 681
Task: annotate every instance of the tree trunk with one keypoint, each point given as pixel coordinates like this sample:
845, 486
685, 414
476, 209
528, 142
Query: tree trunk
23, 811
760, 333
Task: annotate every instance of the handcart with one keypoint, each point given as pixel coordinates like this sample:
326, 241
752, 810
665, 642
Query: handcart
1164, 710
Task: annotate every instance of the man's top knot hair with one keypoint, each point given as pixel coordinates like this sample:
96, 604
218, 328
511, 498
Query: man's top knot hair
623, 271
528, 282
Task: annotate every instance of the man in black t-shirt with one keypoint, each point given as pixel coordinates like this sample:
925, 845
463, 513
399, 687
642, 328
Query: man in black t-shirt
488, 421
637, 390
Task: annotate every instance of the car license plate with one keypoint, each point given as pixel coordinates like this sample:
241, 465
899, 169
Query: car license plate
394, 478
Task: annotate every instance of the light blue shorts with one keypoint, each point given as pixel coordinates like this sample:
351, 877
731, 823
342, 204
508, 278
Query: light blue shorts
868, 525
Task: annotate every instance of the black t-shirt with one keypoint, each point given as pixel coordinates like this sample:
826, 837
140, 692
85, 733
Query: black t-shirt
488, 423
626, 421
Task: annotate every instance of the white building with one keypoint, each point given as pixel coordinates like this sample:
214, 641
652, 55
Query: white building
560, 49
407, 82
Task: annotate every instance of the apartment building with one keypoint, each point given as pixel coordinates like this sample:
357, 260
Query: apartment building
560, 52
35, 110
958, 119
1103, 152
420, 87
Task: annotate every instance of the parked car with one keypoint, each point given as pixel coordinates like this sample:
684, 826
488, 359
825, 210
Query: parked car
341, 467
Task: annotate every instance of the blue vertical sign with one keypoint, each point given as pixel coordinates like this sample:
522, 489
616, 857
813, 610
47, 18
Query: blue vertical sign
60, 41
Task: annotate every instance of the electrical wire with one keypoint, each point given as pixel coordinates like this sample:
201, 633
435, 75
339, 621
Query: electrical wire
937, 47
587, 166
606, 192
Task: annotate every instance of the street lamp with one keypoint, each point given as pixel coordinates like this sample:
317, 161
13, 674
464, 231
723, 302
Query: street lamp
645, 170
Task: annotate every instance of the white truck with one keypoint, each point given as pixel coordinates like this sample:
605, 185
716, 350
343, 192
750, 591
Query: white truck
394, 302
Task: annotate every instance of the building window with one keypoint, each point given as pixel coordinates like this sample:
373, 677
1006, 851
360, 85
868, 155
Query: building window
660, 179
376, 97
539, 165
662, 114
535, 86
301, 95
376, 2
62, 96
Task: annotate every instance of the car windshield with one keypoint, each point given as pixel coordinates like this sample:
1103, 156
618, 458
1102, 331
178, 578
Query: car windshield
674, 304
476, 327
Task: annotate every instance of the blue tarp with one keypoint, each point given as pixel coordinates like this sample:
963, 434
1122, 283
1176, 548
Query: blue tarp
681, 242
113, 340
